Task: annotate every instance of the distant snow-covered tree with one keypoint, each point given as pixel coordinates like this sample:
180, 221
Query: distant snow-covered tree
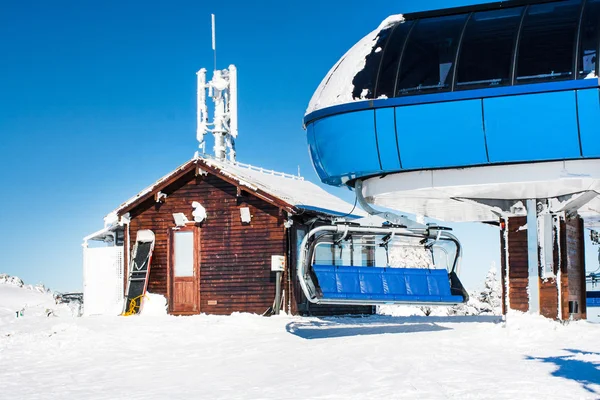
486, 302
491, 296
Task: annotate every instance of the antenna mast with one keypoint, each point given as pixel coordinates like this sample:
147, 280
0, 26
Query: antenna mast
223, 90
214, 39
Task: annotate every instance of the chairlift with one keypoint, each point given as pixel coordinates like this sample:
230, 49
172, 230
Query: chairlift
369, 265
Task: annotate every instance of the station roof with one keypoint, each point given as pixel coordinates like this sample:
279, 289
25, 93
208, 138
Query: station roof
484, 46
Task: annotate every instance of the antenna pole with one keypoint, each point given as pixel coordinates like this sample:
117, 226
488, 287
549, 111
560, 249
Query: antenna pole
214, 39
222, 88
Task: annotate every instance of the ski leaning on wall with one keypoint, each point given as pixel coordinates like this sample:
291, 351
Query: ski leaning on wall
139, 271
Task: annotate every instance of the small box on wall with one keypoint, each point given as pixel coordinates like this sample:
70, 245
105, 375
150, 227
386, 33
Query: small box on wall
277, 263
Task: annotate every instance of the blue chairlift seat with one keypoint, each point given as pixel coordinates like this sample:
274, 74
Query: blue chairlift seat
593, 298
385, 284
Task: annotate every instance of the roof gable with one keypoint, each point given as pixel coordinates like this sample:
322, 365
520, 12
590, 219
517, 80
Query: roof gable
291, 193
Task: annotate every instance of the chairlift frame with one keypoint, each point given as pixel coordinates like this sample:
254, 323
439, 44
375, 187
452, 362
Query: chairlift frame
429, 234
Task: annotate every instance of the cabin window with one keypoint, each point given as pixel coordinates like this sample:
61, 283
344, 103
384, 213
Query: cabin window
391, 57
364, 82
547, 42
590, 32
428, 62
184, 253
486, 54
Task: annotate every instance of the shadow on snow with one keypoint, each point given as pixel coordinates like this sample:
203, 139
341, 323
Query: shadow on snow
586, 373
374, 325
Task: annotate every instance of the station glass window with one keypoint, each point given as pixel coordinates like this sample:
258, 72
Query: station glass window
364, 81
547, 42
428, 62
486, 54
590, 33
391, 57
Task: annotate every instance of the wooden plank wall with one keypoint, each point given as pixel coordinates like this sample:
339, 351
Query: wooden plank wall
575, 267
549, 298
235, 260
518, 264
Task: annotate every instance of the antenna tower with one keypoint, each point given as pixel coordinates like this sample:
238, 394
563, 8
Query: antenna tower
222, 88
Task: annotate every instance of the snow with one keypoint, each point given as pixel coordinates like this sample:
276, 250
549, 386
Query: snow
243, 356
26, 300
111, 219
199, 212
154, 305
294, 190
336, 87
251, 357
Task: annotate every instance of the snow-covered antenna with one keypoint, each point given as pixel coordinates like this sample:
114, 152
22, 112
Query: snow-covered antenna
214, 39
223, 90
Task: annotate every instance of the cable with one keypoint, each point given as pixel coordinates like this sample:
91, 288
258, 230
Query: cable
351, 211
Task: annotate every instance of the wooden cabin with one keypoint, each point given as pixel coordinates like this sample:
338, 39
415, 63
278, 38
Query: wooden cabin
251, 215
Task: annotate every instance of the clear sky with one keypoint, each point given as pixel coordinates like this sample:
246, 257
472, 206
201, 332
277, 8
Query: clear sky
97, 101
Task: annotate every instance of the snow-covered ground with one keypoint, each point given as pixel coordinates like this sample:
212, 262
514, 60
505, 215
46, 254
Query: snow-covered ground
252, 357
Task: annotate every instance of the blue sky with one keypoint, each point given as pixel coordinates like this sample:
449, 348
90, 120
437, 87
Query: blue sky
97, 101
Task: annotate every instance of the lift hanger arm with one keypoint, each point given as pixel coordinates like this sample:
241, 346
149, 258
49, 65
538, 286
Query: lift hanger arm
387, 215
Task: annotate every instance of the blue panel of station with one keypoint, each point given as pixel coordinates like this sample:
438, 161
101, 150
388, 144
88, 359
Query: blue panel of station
589, 114
314, 152
441, 135
533, 127
386, 139
350, 143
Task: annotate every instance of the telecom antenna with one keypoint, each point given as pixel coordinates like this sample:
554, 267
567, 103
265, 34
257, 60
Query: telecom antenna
222, 88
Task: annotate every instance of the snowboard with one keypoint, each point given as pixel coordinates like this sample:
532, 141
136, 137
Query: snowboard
139, 272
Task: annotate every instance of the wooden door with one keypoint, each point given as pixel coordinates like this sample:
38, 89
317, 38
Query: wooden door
184, 271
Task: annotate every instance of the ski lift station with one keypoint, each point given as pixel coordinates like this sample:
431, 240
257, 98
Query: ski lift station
484, 114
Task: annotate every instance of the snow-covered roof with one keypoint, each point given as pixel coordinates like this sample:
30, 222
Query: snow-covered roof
337, 87
292, 190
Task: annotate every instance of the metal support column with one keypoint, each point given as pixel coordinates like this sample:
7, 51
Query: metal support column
532, 257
